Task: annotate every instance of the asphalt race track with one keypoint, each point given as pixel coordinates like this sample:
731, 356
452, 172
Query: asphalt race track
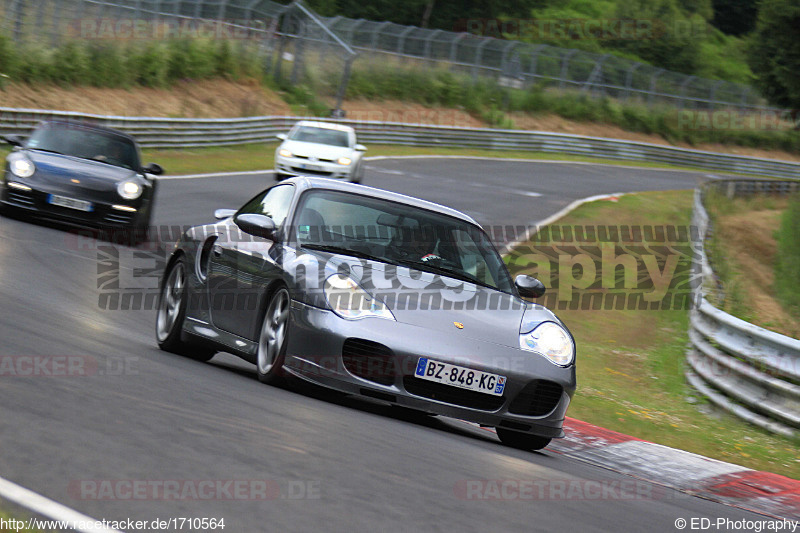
330, 463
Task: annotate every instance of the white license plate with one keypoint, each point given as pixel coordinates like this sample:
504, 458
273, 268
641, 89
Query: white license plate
305, 166
70, 203
459, 376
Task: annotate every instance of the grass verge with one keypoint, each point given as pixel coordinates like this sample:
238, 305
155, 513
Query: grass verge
631, 362
743, 249
261, 156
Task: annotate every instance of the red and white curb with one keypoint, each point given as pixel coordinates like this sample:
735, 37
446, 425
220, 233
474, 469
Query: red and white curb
762, 492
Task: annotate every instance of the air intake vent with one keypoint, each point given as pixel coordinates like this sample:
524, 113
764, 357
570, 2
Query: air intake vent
538, 398
369, 360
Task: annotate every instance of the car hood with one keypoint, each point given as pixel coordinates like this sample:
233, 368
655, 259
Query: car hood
320, 151
430, 301
57, 170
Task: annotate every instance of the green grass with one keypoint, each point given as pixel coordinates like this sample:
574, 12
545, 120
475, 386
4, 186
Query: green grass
630, 363
261, 156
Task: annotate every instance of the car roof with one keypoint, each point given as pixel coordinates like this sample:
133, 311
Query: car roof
324, 125
305, 182
86, 126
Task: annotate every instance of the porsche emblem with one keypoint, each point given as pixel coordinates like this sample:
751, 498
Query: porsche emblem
459, 325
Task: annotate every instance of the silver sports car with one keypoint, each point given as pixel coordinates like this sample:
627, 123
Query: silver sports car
376, 294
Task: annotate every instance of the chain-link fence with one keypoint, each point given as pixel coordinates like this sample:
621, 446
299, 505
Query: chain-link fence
293, 43
296, 44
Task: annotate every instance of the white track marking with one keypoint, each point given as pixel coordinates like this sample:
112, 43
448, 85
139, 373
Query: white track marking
46, 507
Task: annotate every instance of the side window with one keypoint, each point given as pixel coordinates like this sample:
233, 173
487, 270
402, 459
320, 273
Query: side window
274, 204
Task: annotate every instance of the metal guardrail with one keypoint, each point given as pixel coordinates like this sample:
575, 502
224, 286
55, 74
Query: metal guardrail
154, 132
747, 370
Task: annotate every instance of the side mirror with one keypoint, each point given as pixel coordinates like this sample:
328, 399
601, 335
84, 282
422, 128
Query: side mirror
222, 214
14, 140
153, 168
281, 136
258, 225
529, 287
361, 148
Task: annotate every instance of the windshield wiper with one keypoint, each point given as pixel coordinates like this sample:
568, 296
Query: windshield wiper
458, 274
342, 250
46, 150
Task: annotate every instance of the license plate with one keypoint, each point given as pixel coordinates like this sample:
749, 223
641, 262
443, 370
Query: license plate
459, 376
305, 166
70, 203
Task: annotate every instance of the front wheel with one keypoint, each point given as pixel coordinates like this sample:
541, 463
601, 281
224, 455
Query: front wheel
171, 314
273, 336
522, 441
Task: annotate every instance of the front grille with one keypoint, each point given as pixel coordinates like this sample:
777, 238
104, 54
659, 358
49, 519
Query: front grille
311, 172
16, 196
538, 398
119, 217
369, 360
453, 395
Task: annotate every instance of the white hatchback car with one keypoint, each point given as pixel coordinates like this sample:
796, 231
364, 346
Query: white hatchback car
320, 149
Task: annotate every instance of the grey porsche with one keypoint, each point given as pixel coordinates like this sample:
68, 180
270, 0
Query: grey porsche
376, 294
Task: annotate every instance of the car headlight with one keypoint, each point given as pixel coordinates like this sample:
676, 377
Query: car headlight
344, 160
129, 189
283, 152
351, 302
550, 340
21, 166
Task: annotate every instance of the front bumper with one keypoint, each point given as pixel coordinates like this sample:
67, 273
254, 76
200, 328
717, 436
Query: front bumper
34, 201
321, 350
296, 166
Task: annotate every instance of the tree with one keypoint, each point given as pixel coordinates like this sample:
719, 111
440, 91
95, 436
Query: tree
735, 17
774, 52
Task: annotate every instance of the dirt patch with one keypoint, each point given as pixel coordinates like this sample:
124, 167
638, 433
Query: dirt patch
748, 237
195, 99
222, 98
409, 113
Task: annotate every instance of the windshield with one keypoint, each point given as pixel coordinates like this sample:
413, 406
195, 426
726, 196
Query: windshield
311, 134
399, 234
86, 143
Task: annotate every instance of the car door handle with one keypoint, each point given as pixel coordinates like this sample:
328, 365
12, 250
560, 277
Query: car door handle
216, 250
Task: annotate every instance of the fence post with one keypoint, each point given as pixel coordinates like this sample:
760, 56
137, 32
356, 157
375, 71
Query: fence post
652, 91
376, 32
684, 86
479, 57
564, 67
19, 14
597, 72
430, 38
344, 81
401, 39
629, 80
535, 59
298, 52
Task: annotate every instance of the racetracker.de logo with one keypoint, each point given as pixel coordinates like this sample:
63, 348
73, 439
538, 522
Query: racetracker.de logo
193, 489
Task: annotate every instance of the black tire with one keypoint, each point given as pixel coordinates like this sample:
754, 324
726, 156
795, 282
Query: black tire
171, 314
280, 177
522, 441
272, 339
